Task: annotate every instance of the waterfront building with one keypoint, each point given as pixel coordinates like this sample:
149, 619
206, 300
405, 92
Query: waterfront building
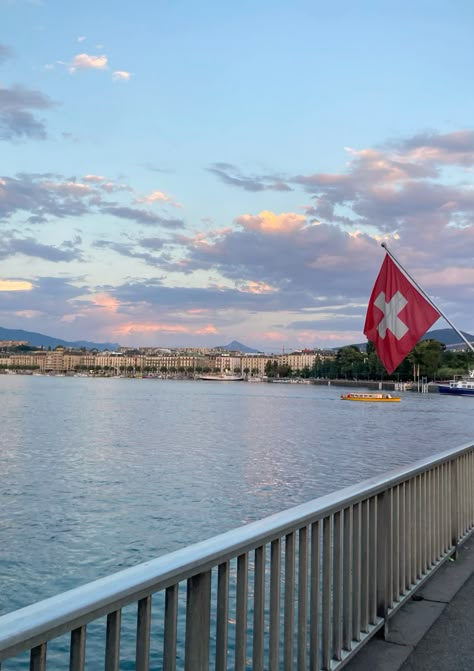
63, 360
9, 344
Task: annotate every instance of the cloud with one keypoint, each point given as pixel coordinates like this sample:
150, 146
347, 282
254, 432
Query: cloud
30, 247
269, 275
155, 168
155, 196
17, 118
256, 287
121, 76
15, 285
230, 175
67, 251
48, 300
287, 253
42, 196
129, 250
185, 300
88, 62
81, 38
456, 148
95, 62
399, 188
143, 217
269, 222
158, 197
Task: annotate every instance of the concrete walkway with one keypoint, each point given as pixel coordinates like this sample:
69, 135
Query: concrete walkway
435, 630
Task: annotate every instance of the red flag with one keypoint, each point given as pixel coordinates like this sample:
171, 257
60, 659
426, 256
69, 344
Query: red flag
397, 315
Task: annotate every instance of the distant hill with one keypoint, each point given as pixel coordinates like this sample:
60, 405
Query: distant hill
40, 340
235, 346
448, 337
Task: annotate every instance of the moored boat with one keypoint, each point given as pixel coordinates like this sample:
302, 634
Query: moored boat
222, 378
463, 386
381, 397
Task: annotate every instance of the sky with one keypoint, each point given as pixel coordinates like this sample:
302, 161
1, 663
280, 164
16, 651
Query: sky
181, 173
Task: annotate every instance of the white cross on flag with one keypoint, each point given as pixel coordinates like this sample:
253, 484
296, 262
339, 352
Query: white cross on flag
397, 315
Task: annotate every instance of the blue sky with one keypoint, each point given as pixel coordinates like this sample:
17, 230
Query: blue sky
184, 173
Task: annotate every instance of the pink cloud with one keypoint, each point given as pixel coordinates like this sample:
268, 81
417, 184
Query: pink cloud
140, 327
88, 62
269, 222
256, 287
207, 330
121, 76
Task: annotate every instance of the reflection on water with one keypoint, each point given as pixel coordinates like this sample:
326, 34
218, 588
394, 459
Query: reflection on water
98, 475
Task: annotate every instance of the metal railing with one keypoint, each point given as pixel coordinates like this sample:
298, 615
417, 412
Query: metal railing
302, 589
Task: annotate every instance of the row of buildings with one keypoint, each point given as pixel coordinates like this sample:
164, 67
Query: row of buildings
63, 360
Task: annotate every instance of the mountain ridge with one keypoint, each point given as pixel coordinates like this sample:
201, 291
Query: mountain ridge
447, 337
41, 340
236, 346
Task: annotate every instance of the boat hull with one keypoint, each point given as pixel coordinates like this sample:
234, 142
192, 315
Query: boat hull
221, 378
370, 398
455, 391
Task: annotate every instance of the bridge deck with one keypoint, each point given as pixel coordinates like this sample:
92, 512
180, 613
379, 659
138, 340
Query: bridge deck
435, 631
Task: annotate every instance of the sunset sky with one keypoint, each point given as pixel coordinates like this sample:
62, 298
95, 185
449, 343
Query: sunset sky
188, 173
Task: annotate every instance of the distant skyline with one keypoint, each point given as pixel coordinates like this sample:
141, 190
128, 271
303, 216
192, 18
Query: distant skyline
184, 174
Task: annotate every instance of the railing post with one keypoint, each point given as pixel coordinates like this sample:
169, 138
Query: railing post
143, 634
384, 548
37, 658
78, 649
454, 506
198, 616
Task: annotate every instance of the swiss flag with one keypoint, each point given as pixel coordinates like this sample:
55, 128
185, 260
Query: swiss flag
397, 315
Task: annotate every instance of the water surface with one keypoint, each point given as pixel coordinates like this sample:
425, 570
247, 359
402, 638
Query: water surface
101, 474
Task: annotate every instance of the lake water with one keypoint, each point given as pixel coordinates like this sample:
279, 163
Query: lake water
101, 474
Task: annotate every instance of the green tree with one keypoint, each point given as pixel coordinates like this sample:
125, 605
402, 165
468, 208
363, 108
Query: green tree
270, 368
427, 355
347, 359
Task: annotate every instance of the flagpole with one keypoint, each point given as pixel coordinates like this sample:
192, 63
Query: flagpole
407, 274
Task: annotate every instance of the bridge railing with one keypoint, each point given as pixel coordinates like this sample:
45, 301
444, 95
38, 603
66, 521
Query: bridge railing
302, 589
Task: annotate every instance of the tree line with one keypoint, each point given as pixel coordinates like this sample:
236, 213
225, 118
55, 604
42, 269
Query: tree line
429, 359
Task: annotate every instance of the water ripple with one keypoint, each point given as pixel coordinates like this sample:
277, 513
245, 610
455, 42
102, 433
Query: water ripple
98, 475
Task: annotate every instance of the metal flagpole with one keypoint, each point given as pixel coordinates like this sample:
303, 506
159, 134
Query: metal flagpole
409, 277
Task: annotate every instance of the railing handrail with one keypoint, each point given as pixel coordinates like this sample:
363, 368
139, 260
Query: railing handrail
26, 627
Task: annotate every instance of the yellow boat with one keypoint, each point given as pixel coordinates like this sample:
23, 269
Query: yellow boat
367, 397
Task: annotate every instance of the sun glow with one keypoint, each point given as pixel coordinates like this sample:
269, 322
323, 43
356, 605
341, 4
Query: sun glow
15, 285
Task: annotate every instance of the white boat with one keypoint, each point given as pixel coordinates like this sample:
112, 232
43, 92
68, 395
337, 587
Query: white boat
222, 377
463, 386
